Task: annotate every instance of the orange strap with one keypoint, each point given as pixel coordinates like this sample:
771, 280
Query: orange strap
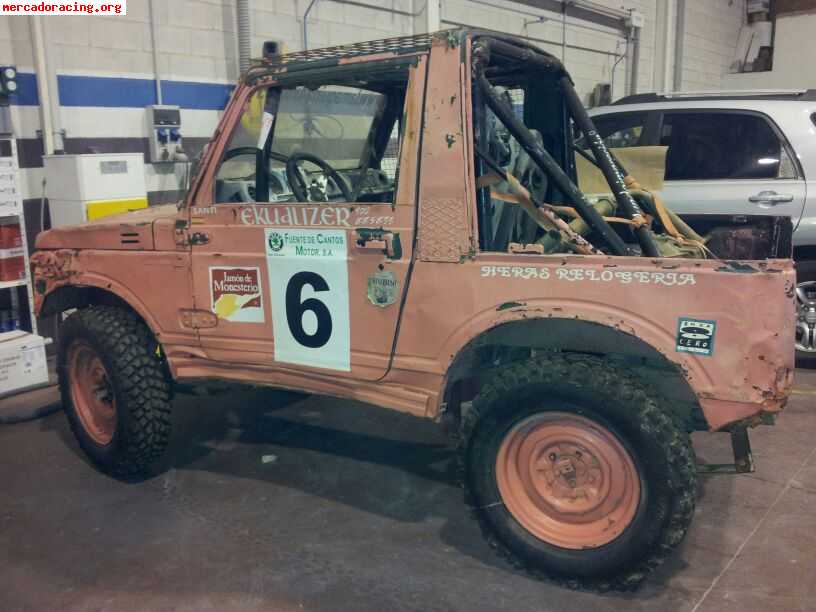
665, 219
543, 216
486, 180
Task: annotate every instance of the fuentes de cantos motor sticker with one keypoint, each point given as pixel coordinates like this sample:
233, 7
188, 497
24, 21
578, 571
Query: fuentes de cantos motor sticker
236, 294
695, 336
308, 294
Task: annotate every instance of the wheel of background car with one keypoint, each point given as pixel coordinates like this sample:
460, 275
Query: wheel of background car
298, 183
806, 312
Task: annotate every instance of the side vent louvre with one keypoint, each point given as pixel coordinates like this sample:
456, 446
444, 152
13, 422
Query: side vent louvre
130, 238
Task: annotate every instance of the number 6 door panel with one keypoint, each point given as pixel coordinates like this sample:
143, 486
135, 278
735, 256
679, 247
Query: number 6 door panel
313, 286
301, 296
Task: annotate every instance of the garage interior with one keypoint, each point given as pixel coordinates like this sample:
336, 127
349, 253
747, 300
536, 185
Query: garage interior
269, 499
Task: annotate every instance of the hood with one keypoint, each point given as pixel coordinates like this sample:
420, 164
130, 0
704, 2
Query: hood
127, 231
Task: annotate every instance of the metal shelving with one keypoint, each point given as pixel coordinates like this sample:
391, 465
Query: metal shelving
11, 207
23, 362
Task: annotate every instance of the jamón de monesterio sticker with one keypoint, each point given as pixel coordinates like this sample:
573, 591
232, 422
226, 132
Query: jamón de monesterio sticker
236, 294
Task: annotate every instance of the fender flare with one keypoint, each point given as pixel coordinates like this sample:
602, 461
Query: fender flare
51, 302
644, 333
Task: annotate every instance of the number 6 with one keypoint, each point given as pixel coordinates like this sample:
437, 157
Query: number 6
295, 309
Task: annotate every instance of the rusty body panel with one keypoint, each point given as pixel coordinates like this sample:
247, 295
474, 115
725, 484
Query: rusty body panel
618, 293
127, 231
448, 294
136, 257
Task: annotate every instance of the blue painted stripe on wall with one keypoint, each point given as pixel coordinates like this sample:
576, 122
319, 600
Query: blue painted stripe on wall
120, 92
202, 96
105, 91
26, 90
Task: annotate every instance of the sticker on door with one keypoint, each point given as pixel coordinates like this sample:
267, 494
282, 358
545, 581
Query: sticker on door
308, 289
235, 294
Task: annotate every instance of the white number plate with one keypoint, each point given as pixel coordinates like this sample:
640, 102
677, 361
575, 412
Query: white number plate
308, 285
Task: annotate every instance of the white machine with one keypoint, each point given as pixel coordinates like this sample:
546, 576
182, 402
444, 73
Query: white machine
82, 188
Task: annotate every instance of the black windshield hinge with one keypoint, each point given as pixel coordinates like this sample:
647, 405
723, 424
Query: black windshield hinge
197, 238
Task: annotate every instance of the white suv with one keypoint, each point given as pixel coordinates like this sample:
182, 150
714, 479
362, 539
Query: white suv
734, 153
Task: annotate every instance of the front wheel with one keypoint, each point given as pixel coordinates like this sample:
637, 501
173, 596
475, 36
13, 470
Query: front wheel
114, 389
575, 472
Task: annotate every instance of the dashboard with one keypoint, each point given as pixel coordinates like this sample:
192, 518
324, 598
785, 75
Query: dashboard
376, 186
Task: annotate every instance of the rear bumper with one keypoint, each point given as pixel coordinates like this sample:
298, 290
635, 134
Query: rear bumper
723, 414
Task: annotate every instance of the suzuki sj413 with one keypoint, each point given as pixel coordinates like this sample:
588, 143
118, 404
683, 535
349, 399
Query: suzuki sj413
431, 224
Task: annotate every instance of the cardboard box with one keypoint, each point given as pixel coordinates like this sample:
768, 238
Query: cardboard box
22, 362
12, 260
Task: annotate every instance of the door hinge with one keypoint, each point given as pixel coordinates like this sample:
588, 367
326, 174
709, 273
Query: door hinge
198, 238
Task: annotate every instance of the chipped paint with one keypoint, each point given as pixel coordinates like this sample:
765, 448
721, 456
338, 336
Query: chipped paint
738, 266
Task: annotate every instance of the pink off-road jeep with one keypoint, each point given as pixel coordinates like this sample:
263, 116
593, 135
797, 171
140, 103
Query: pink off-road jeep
433, 225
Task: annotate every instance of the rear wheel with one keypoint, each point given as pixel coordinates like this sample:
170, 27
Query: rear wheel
114, 389
568, 479
575, 472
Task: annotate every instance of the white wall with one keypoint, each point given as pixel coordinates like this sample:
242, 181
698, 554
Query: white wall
586, 67
196, 38
712, 28
329, 23
196, 42
793, 66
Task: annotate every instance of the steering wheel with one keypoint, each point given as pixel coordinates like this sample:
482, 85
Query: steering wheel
307, 193
244, 189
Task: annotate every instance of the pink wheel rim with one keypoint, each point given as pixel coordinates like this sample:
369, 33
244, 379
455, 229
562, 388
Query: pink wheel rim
91, 392
567, 480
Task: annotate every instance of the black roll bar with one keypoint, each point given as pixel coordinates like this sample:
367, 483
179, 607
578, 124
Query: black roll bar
609, 168
542, 157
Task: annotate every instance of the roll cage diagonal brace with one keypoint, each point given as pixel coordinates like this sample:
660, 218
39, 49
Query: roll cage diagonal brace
487, 47
546, 162
609, 168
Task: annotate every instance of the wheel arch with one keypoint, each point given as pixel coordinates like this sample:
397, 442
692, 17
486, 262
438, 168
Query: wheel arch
65, 297
518, 337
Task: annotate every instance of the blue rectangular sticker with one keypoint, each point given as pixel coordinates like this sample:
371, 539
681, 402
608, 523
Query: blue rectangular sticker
695, 336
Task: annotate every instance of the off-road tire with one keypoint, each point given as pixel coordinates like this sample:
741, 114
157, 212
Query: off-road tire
140, 387
658, 444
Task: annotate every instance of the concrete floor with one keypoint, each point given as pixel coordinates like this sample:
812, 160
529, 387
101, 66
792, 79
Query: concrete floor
278, 502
